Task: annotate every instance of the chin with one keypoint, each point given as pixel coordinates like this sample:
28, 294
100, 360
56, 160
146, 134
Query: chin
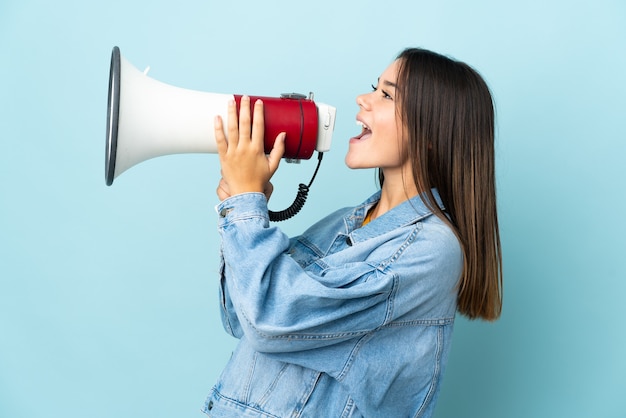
350, 163
355, 164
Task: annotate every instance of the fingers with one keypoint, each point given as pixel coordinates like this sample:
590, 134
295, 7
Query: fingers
239, 128
220, 136
258, 126
245, 166
223, 191
269, 189
251, 124
246, 127
233, 124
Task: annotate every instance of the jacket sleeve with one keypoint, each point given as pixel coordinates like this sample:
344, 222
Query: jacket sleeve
230, 321
276, 303
282, 306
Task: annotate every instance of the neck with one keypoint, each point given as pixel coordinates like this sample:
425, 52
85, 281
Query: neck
397, 188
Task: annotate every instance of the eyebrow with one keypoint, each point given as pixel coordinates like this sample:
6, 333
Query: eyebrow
388, 83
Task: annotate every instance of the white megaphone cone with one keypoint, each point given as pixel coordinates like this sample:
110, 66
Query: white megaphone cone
147, 118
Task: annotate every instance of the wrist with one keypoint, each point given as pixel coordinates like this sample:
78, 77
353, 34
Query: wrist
247, 188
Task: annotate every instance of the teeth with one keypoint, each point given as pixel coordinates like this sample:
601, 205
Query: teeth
358, 122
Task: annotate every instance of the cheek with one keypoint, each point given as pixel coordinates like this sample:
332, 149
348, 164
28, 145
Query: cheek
395, 153
403, 138
401, 129
403, 152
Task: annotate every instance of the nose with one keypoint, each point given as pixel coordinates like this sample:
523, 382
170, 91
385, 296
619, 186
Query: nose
362, 102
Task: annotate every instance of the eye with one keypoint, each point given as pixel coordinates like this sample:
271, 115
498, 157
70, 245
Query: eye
384, 93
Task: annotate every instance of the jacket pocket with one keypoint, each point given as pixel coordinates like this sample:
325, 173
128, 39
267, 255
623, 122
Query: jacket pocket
261, 386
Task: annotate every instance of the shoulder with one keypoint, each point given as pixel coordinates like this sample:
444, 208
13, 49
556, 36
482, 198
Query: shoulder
432, 247
438, 235
428, 271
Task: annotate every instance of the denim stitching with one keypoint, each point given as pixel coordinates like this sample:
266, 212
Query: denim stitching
351, 357
247, 387
434, 381
306, 396
408, 241
263, 399
243, 406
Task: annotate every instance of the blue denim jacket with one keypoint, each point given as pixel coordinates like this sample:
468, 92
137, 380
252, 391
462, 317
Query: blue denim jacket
342, 321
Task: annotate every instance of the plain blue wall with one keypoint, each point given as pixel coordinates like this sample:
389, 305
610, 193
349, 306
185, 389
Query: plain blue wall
108, 298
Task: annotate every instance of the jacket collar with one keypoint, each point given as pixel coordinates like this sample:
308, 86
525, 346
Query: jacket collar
408, 212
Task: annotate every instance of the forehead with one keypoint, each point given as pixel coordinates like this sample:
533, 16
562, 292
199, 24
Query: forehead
391, 72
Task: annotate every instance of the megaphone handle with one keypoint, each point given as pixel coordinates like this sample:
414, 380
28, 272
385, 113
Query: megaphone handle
299, 201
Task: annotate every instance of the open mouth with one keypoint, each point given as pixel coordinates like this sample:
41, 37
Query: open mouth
366, 132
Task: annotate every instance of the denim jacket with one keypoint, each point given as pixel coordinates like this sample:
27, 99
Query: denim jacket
342, 321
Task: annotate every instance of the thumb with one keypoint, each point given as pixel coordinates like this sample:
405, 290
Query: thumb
277, 152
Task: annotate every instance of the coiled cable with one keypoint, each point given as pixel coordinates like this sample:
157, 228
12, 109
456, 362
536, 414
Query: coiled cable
299, 201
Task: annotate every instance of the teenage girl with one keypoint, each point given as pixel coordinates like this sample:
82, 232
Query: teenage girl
354, 317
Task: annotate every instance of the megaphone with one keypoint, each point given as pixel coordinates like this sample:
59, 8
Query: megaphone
147, 118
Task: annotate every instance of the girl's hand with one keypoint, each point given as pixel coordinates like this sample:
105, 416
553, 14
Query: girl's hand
223, 191
245, 167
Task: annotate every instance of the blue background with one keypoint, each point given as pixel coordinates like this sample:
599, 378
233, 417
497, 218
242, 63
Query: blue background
108, 295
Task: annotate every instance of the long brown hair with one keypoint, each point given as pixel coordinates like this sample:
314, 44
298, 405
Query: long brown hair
448, 112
